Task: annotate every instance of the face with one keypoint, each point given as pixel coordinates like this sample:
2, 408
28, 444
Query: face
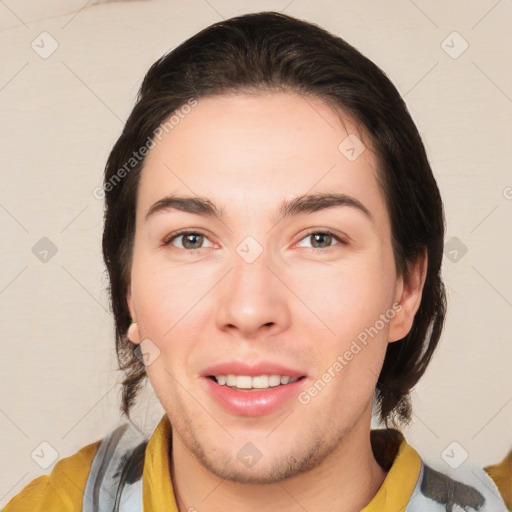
256, 292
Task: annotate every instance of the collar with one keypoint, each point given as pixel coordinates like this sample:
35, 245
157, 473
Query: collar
403, 464
391, 450
157, 490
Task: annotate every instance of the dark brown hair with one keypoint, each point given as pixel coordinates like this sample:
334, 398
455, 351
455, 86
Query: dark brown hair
265, 52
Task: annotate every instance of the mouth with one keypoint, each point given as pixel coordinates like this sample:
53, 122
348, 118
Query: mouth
256, 389
254, 395
250, 383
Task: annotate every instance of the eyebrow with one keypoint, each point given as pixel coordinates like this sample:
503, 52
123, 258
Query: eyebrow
307, 203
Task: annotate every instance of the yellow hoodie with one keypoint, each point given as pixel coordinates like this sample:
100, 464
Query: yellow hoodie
410, 485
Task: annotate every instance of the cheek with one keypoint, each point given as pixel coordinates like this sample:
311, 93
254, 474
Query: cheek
344, 297
346, 302
165, 294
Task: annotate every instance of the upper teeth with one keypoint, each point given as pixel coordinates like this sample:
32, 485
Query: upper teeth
259, 382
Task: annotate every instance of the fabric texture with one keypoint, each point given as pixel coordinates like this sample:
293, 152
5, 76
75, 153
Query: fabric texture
61, 490
127, 472
115, 478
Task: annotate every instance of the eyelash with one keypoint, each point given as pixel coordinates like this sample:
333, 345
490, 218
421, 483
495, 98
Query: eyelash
167, 241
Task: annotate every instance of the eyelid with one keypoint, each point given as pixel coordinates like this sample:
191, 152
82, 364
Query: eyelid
340, 237
186, 231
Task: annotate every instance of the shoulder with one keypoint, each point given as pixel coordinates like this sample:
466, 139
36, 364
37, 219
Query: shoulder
62, 489
115, 476
467, 488
438, 486
93, 478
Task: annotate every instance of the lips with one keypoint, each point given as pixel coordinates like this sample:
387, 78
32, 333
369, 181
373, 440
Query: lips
261, 368
252, 402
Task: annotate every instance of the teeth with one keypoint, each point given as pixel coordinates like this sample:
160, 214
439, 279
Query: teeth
274, 380
230, 380
257, 382
260, 382
244, 382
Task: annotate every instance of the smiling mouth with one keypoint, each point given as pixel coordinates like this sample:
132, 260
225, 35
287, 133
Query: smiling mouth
256, 383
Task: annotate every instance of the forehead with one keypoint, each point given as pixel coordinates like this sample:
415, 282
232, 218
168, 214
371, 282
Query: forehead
247, 152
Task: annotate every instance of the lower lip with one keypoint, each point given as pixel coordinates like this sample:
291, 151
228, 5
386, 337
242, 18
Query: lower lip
253, 403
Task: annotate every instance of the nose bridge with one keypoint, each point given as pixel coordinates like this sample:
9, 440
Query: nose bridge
252, 296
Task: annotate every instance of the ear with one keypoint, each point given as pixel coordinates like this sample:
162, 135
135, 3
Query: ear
129, 302
408, 297
133, 330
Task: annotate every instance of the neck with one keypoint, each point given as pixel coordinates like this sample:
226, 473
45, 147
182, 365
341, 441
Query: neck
346, 481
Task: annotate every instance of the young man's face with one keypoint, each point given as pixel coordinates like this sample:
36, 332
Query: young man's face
258, 293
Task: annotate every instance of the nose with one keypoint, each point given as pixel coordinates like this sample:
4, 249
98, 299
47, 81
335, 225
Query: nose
253, 302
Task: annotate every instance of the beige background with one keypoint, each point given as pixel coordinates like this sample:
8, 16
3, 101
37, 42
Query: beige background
60, 116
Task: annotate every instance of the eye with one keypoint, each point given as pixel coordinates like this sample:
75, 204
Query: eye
323, 239
191, 240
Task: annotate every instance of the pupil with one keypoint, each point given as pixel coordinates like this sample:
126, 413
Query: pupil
317, 235
190, 236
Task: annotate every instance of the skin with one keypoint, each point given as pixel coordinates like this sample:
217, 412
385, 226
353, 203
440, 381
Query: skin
300, 303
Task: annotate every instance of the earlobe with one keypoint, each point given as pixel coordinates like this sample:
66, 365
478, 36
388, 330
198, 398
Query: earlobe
408, 296
133, 333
